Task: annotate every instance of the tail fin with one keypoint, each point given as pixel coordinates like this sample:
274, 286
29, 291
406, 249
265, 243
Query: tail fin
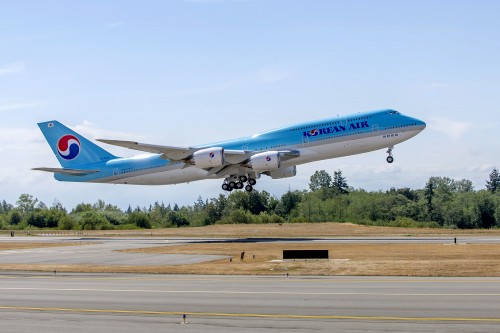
72, 149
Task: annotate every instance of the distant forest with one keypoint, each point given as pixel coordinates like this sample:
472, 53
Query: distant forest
442, 203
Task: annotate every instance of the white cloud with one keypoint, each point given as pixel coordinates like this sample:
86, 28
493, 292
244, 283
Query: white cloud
91, 131
454, 129
12, 68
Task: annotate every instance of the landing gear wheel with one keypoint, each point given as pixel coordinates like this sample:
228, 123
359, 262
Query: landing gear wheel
249, 188
232, 185
252, 181
389, 158
243, 179
225, 187
239, 185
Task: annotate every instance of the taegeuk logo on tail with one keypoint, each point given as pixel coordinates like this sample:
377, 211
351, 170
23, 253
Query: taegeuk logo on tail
68, 147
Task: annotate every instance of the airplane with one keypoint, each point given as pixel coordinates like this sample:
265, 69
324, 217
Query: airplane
239, 162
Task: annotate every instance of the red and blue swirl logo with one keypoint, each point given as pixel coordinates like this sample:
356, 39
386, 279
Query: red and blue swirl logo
313, 132
268, 158
68, 147
212, 155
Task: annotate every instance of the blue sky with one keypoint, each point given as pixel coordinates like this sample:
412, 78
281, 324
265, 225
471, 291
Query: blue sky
190, 72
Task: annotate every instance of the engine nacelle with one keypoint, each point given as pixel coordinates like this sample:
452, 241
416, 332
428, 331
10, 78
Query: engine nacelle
209, 157
283, 172
267, 161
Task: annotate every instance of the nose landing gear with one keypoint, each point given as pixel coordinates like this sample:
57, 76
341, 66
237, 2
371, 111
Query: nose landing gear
389, 158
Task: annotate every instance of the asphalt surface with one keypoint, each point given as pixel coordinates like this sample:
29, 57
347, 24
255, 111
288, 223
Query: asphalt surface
103, 251
100, 252
125, 303
155, 303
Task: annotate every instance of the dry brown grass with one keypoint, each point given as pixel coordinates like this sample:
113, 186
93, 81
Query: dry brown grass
345, 259
363, 259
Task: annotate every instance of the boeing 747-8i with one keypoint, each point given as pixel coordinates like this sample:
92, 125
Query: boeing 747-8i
239, 162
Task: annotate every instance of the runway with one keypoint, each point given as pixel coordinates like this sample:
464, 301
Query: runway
104, 251
101, 251
131, 303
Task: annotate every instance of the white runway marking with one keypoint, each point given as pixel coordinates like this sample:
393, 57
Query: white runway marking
249, 292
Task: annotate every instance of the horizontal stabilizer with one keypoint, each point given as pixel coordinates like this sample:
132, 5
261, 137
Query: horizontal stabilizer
74, 172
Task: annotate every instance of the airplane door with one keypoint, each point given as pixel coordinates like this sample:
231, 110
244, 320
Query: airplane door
375, 128
116, 173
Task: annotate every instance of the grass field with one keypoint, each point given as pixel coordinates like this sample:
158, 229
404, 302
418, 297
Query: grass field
410, 259
345, 259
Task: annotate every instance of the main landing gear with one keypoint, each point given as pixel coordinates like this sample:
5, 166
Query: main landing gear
389, 158
237, 183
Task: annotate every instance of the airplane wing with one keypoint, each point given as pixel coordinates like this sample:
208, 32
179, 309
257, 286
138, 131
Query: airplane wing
233, 158
172, 153
177, 153
74, 172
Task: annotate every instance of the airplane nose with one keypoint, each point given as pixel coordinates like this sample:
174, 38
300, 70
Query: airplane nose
421, 124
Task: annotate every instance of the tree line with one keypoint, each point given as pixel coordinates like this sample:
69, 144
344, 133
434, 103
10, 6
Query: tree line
442, 203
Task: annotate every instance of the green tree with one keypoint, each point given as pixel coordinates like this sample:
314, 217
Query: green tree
14, 217
66, 223
3, 222
215, 210
320, 180
140, 219
288, 202
6, 207
485, 210
493, 184
82, 207
91, 220
464, 185
254, 202
177, 219
339, 183
26, 203
429, 195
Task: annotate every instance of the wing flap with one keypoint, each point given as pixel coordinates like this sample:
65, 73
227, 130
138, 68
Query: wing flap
73, 172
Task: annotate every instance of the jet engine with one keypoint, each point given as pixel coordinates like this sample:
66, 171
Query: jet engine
287, 172
209, 157
269, 160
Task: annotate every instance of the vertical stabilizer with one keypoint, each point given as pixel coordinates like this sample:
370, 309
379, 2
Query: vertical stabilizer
71, 149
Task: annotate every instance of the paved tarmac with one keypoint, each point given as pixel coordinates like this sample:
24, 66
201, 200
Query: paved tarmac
103, 251
32, 302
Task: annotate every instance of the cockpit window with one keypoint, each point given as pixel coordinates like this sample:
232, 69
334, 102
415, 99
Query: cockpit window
394, 112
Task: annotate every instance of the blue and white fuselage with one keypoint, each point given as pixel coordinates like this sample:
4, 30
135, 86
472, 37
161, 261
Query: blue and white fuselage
275, 153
